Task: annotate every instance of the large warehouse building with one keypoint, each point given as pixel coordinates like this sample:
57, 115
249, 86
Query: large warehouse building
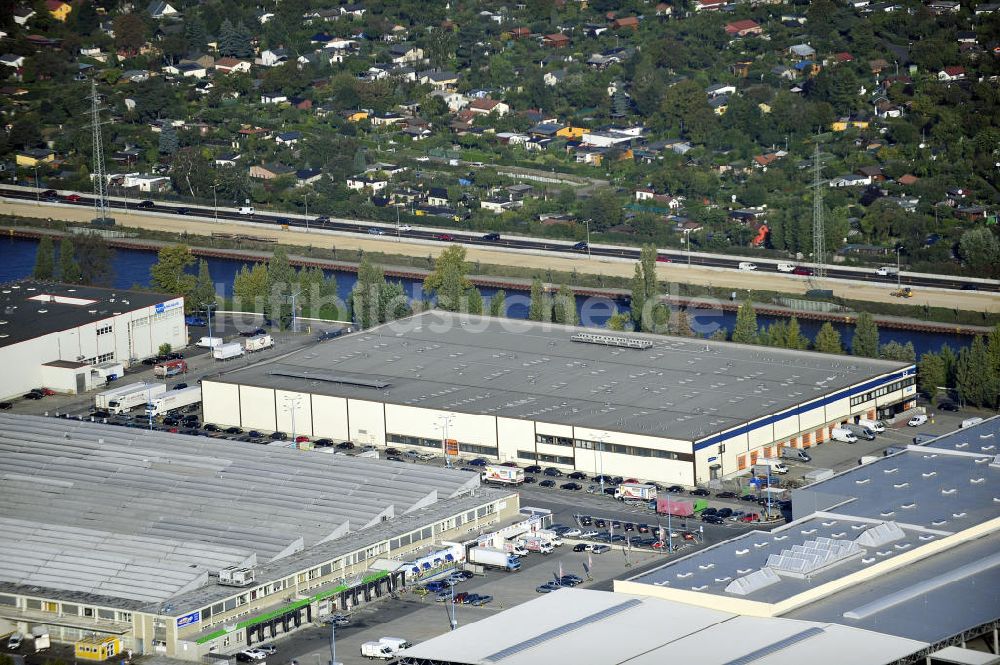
52, 335
165, 543
896, 561
675, 410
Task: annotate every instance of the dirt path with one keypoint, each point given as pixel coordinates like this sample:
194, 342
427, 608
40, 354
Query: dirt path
538, 259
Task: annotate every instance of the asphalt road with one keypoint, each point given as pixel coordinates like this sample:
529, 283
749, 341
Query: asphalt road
506, 242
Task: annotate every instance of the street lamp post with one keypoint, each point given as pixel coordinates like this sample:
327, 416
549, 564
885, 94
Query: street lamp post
443, 422
291, 406
215, 200
898, 279
305, 195
588, 238
687, 241
38, 194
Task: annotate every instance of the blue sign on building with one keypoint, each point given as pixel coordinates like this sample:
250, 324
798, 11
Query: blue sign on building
188, 619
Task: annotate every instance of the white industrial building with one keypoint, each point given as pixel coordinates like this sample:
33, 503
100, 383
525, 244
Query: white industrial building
52, 335
670, 409
184, 545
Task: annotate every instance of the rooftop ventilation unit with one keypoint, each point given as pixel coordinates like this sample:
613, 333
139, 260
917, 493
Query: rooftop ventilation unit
612, 340
233, 576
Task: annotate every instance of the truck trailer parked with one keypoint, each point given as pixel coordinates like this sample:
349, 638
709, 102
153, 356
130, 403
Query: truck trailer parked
173, 400
636, 493
228, 351
503, 475
491, 558
128, 397
259, 343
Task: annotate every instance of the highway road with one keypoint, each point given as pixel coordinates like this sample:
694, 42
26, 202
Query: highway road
505, 242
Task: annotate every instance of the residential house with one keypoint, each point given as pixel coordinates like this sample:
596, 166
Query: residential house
709, 5
438, 80
664, 10
12, 60
878, 65
232, 65
842, 57
842, 124
270, 171
874, 173
273, 57
944, 6
455, 101
417, 133
605, 139
386, 168
305, 177
520, 191
555, 40
554, 78
627, 22
953, 73
907, 203
151, 184
966, 37
438, 197
273, 98
227, 159
360, 183
802, 51
719, 104
763, 161
971, 213
520, 33
720, 89
782, 71
353, 10
403, 52
191, 70
128, 156
135, 75
851, 180
603, 60
386, 119
487, 106
572, 133
159, 9
288, 138
35, 157
987, 8
908, 179
94, 53
58, 9
886, 109
743, 28
247, 132
22, 15
545, 129
498, 206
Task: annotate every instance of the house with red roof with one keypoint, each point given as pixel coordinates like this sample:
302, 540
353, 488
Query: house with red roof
743, 28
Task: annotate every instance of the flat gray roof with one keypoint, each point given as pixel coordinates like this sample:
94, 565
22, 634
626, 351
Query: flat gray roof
679, 387
117, 511
602, 628
30, 309
983, 439
864, 517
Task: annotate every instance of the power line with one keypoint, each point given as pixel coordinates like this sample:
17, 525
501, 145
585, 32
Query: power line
100, 177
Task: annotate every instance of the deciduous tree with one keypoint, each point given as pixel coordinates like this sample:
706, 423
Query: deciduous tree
168, 273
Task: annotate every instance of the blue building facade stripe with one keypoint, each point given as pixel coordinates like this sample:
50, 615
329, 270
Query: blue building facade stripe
803, 408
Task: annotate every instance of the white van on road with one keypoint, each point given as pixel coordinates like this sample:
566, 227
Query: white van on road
746, 265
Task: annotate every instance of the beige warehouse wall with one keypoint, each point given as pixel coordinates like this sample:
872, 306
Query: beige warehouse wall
220, 403
257, 408
287, 403
367, 422
514, 435
329, 415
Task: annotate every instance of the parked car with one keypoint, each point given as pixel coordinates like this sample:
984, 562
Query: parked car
582, 547
578, 475
269, 649
481, 599
255, 434
210, 427
479, 461
726, 495
700, 491
712, 519
601, 549
534, 468
528, 480
725, 513
32, 396
279, 436
571, 486
949, 406
255, 653
553, 472
548, 482
675, 489
571, 532
302, 439
338, 620
323, 443
590, 533
145, 204
345, 445
233, 430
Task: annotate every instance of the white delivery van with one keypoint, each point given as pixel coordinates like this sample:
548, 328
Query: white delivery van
246, 210
876, 426
842, 434
372, 650
885, 271
969, 422
768, 466
209, 342
785, 267
746, 265
397, 644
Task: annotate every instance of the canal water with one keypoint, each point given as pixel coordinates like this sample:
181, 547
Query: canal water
131, 268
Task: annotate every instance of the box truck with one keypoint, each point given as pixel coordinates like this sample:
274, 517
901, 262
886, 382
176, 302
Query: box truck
228, 351
796, 454
550, 536
40, 640
127, 397
373, 650
514, 548
841, 434
666, 505
537, 544
503, 475
634, 493
170, 368
493, 558
173, 400
258, 343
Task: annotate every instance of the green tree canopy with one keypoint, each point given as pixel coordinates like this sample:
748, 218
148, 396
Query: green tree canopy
931, 373
980, 250
204, 288
45, 259
498, 303
865, 342
828, 339
69, 269
745, 331
96, 259
449, 280
895, 351
539, 310
564, 307
976, 381
250, 286
168, 273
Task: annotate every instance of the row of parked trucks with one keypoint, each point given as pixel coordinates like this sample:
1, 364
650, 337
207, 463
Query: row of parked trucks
221, 350
154, 396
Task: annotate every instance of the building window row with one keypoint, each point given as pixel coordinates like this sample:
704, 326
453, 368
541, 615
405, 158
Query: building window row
105, 357
104, 330
532, 456
405, 440
553, 440
882, 391
634, 451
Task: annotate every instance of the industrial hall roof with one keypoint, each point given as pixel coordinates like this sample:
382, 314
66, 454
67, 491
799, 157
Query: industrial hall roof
672, 387
30, 309
143, 516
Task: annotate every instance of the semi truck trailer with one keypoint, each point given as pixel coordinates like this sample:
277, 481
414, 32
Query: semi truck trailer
173, 400
128, 397
503, 475
491, 558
